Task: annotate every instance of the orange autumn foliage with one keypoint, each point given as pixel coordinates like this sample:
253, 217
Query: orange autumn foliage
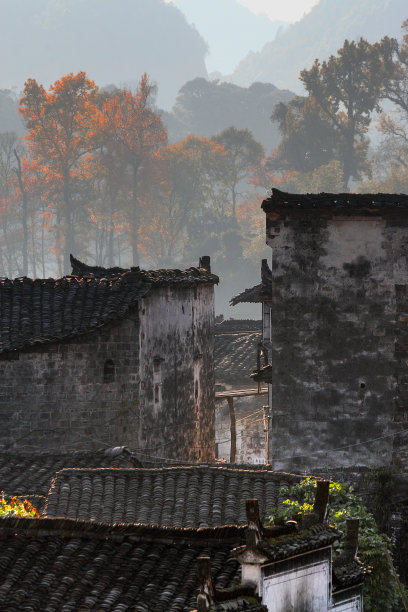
133, 132
62, 126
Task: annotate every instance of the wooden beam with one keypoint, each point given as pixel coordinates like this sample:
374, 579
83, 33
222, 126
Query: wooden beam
219, 395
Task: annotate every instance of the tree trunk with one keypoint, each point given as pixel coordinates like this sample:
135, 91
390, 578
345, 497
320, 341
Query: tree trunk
110, 247
234, 202
70, 246
233, 450
134, 229
24, 217
33, 247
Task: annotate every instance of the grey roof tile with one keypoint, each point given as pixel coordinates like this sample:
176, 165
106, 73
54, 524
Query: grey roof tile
193, 496
235, 355
71, 566
23, 474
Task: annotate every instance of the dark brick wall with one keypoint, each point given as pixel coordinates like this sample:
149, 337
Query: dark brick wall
339, 377
55, 397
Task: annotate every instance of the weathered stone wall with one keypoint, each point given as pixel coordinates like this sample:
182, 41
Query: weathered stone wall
339, 313
177, 373
54, 397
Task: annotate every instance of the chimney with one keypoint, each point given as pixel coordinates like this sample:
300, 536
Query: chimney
321, 500
205, 597
320, 505
205, 262
351, 541
254, 530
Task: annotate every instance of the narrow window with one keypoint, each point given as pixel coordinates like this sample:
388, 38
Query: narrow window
109, 371
157, 379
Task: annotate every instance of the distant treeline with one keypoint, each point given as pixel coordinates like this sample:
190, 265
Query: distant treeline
100, 175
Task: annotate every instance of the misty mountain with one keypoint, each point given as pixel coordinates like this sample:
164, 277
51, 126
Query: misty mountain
114, 42
206, 107
10, 120
230, 29
318, 35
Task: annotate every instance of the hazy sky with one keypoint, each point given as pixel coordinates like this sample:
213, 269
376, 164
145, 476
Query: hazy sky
290, 10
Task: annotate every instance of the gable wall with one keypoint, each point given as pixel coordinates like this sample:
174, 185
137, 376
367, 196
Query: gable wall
53, 397
339, 318
177, 328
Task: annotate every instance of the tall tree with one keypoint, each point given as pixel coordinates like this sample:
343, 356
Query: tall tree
394, 125
135, 131
61, 124
396, 89
177, 191
308, 139
243, 155
347, 89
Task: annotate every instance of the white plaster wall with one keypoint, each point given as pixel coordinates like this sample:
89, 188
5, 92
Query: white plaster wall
353, 604
298, 590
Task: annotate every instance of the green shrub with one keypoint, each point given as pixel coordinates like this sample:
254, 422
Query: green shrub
381, 592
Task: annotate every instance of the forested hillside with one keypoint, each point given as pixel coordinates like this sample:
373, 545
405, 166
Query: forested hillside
319, 34
207, 107
115, 42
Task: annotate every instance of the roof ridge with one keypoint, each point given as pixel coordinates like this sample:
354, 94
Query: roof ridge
178, 468
346, 202
71, 526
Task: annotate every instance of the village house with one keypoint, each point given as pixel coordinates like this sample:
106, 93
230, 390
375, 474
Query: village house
339, 335
109, 357
175, 539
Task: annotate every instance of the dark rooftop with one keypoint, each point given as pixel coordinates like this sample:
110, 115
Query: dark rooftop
60, 564
235, 356
348, 574
189, 277
194, 496
24, 474
258, 293
40, 311
342, 203
313, 538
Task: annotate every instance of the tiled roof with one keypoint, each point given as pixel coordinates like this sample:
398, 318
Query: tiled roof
191, 276
343, 203
284, 546
235, 355
347, 574
39, 311
177, 496
317, 536
259, 293
25, 474
71, 566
